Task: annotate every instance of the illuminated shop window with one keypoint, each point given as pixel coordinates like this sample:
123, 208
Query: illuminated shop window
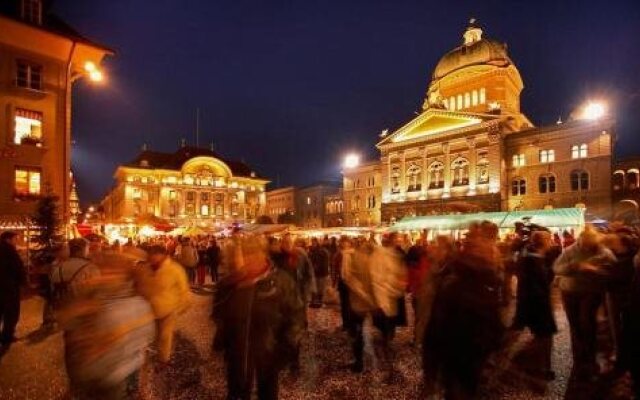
28, 75
547, 156
28, 126
518, 187
27, 181
518, 160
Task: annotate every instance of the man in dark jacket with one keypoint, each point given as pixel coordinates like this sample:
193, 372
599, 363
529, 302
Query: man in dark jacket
12, 277
260, 323
213, 258
319, 257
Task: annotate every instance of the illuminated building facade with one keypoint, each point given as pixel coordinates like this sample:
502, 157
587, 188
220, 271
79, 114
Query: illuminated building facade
362, 192
281, 204
191, 187
40, 58
334, 214
472, 149
310, 204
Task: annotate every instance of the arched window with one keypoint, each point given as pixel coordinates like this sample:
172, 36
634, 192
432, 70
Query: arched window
482, 168
579, 180
632, 179
547, 183
340, 206
355, 205
436, 175
460, 172
395, 180
518, 187
371, 202
483, 95
618, 181
414, 178
474, 98
467, 100
452, 103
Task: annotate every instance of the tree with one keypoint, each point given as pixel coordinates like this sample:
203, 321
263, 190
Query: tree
264, 219
47, 221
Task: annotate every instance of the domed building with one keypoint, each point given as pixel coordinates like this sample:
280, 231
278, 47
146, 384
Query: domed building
473, 149
192, 186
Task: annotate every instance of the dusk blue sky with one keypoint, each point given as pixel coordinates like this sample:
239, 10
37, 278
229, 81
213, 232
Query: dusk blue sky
291, 86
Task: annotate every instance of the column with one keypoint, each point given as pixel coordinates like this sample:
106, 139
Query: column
389, 173
471, 142
447, 170
403, 174
425, 172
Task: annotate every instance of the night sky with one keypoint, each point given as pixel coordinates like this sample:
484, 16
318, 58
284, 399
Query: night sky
291, 86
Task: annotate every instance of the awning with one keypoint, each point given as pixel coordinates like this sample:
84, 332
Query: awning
553, 218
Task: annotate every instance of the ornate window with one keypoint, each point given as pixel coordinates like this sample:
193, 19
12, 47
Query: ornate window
518, 187
482, 168
547, 156
547, 183
414, 178
436, 175
632, 179
460, 172
395, 180
579, 180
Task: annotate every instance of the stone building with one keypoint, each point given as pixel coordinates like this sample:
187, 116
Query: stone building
472, 149
362, 193
334, 215
310, 204
281, 204
193, 186
626, 189
40, 59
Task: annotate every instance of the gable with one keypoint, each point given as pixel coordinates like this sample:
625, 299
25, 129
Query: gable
431, 123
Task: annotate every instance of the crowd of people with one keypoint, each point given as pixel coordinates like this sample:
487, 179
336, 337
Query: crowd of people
115, 302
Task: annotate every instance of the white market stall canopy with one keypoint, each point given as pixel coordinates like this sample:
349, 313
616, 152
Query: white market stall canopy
553, 218
265, 229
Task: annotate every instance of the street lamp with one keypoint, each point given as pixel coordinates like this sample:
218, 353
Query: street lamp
351, 161
593, 111
95, 75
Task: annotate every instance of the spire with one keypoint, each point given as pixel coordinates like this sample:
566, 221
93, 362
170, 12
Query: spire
473, 33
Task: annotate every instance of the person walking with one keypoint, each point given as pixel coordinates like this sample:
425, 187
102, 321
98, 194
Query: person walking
69, 276
12, 277
213, 258
164, 284
319, 257
188, 258
582, 271
534, 287
260, 321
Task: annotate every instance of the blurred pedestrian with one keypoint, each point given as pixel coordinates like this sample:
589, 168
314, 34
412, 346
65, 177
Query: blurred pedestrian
69, 277
12, 277
187, 256
164, 284
213, 258
319, 257
260, 321
582, 270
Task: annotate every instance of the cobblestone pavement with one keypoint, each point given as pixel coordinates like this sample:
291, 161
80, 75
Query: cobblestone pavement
33, 368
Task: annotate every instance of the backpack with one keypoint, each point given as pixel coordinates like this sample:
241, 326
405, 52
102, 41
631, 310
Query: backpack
62, 289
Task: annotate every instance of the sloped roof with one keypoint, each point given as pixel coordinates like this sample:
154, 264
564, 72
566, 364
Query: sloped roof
174, 161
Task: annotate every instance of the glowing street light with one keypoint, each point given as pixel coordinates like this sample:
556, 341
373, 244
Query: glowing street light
351, 161
95, 75
593, 111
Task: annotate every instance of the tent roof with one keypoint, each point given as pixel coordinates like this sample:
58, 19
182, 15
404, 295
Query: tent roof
558, 217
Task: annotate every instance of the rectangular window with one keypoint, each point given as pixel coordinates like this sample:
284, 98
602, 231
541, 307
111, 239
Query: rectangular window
474, 97
27, 181
204, 210
547, 156
28, 75
172, 194
452, 103
459, 105
583, 150
518, 160
204, 197
137, 194
191, 196
31, 11
467, 100
28, 127
483, 95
